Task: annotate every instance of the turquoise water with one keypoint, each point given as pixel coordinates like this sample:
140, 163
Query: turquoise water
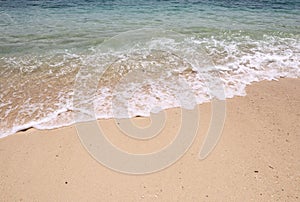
46, 47
28, 26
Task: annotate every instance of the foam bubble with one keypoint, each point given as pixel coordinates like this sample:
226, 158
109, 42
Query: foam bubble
38, 91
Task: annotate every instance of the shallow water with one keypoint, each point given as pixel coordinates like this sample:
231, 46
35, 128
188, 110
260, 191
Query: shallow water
129, 58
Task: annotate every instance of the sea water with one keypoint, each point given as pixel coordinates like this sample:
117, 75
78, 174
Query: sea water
134, 57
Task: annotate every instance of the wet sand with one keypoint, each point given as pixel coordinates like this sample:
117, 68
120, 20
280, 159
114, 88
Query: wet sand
257, 157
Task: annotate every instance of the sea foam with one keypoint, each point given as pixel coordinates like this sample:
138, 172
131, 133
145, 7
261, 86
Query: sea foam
137, 73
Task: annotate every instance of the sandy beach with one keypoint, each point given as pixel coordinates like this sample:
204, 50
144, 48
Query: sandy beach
256, 159
112, 66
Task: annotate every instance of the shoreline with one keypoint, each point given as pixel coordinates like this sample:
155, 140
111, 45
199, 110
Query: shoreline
257, 156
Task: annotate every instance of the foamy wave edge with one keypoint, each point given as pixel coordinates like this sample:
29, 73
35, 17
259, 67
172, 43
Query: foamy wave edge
263, 62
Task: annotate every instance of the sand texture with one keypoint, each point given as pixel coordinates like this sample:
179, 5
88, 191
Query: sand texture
257, 157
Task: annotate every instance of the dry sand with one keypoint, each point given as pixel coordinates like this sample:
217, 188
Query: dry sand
257, 157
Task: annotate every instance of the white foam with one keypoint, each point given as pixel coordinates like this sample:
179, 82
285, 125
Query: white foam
233, 61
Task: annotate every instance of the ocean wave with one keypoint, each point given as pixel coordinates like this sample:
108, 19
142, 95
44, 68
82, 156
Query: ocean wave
136, 73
